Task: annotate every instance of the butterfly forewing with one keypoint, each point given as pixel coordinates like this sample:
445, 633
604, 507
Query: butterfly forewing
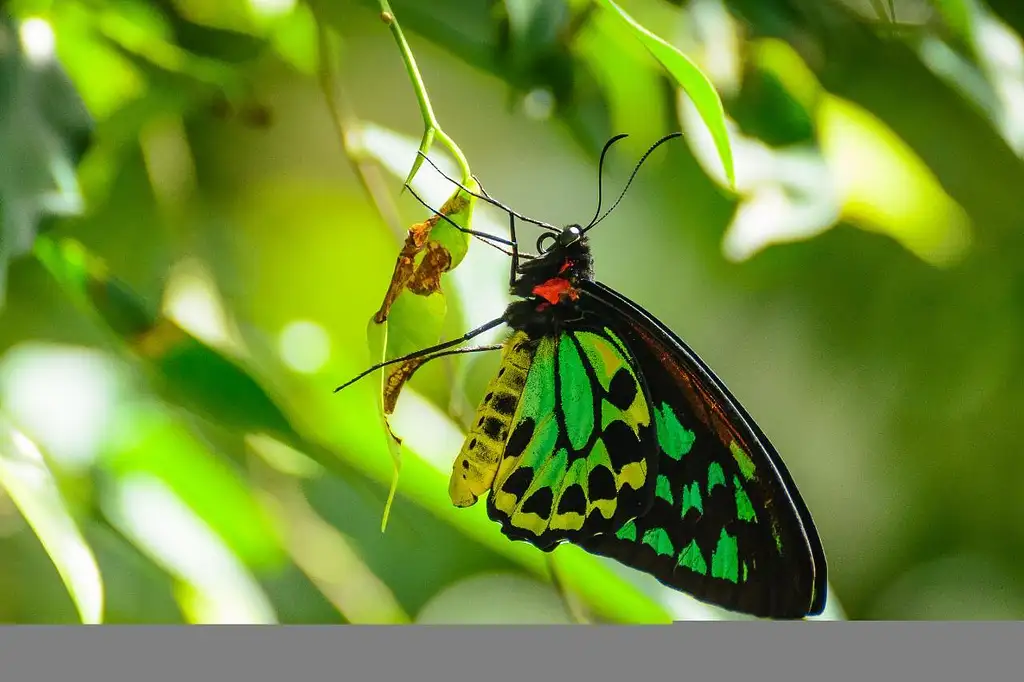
581, 455
726, 523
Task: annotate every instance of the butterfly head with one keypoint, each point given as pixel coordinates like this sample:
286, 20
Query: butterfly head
550, 241
563, 261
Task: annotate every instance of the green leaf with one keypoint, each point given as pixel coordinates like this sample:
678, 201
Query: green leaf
377, 339
414, 307
148, 441
692, 80
185, 371
189, 372
213, 586
31, 485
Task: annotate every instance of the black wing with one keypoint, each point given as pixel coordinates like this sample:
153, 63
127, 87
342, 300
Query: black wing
727, 524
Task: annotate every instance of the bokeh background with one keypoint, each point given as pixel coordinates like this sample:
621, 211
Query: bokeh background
190, 256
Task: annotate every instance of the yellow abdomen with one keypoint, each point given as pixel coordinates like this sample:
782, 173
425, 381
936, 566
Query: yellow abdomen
477, 463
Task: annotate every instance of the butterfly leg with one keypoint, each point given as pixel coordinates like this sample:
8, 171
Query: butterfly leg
480, 185
460, 351
515, 251
427, 351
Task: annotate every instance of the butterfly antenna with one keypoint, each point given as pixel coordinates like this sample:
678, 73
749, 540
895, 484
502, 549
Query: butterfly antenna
600, 175
633, 175
486, 198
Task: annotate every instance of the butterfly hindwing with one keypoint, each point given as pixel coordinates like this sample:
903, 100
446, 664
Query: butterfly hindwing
580, 457
726, 523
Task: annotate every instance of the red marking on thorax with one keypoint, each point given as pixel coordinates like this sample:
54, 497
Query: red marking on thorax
555, 289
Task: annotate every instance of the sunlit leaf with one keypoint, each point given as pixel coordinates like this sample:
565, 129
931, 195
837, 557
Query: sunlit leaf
689, 77
377, 339
185, 371
887, 188
633, 91
331, 560
294, 38
147, 441
214, 587
959, 16
30, 483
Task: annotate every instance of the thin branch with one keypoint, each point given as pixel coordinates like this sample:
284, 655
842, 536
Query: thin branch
346, 123
431, 128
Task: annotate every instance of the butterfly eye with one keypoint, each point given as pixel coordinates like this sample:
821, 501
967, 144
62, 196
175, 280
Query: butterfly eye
542, 241
569, 235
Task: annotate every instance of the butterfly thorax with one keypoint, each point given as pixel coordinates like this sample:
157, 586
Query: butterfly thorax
549, 285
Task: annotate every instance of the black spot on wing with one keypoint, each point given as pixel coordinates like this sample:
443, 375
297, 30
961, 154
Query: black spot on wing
492, 427
505, 404
518, 482
593, 525
539, 503
632, 503
520, 438
574, 500
622, 390
622, 443
601, 484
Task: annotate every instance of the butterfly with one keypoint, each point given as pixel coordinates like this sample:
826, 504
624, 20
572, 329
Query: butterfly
603, 429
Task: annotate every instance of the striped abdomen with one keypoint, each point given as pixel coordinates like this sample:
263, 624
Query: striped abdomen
477, 463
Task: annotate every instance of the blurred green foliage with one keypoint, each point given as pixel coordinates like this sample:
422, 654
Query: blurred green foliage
189, 256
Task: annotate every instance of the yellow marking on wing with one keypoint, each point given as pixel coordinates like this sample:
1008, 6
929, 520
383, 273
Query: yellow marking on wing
530, 522
610, 360
633, 474
605, 507
567, 521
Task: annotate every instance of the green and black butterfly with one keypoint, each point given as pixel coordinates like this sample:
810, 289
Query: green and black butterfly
602, 428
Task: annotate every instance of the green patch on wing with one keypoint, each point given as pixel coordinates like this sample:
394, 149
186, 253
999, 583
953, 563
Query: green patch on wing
692, 558
716, 476
692, 524
675, 439
576, 395
658, 540
663, 488
578, 443
692, 498
725, 558
743, 460
744, 508
627, 532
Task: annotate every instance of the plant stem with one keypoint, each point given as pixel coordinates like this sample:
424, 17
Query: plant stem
345, 124
432, 128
